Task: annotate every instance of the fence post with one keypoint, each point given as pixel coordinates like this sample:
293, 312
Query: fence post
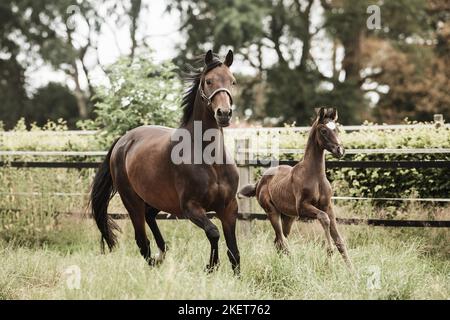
245, 175
438, 120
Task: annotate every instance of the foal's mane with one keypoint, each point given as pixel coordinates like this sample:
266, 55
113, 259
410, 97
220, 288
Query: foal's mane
194, 76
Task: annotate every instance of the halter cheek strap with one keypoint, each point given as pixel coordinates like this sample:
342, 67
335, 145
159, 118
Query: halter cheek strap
209, 99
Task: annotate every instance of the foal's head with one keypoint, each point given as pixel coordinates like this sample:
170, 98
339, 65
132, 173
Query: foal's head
326, 131
216, 86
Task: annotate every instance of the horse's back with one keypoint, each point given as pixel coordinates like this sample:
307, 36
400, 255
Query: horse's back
144, 155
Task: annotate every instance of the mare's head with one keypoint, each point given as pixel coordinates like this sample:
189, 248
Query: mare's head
327, 132
214, 83
216, 87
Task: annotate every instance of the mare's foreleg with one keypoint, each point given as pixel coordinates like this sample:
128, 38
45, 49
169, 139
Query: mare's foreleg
228, 218
194, 212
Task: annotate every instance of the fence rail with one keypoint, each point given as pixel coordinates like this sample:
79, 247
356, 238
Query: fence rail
241, 150
260, 129
345, 221
257, 163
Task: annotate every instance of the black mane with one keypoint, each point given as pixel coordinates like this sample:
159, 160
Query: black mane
194, 76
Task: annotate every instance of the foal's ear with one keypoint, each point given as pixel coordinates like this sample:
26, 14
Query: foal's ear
208, 57
334, 114
320, 113
229, 58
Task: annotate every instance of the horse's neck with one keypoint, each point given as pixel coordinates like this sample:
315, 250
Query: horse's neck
314, 159
202, 119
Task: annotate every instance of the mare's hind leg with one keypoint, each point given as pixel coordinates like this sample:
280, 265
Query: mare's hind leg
136, 209
150, 217
197, 215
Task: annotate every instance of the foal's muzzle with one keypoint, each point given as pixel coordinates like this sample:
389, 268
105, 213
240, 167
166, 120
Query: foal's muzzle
338, 151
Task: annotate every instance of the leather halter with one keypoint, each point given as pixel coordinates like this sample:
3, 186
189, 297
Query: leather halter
209, 99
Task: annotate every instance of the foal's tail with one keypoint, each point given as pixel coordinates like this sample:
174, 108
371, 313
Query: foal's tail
248, 191
101, 193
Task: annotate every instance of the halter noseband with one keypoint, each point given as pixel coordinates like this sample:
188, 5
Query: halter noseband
209, 99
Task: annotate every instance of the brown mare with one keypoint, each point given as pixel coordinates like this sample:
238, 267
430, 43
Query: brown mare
286, 192
140, 167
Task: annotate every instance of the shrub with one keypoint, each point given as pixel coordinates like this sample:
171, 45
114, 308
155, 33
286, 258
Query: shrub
374, 182
141, 92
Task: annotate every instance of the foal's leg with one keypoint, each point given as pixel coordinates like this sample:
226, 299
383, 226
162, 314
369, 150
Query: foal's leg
309, 210
287, 222
340, 245
197, 215
275, 219
150, 217
280, 240
228, 218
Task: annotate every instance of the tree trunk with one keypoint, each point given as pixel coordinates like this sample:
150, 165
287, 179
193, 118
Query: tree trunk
79, 94
134, 15
351, 62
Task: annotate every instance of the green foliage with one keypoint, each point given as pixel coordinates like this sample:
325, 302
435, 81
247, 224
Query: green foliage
402, 182
141, 92
372, 182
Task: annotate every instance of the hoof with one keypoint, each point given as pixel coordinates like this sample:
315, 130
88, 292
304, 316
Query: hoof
160, 256
329, 252
211, 268
151, 262
282, 247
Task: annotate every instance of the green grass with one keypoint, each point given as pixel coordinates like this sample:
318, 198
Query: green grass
413, 264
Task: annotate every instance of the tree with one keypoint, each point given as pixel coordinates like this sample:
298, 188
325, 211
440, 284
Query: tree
294, 84
64, 34
52, 102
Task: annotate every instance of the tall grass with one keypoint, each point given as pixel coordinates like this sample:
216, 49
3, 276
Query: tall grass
407, 267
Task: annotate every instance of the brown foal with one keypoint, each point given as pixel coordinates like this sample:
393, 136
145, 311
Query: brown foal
286, 192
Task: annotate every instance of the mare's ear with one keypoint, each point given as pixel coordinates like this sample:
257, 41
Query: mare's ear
320, 113
334, 114
229, 58
208, 57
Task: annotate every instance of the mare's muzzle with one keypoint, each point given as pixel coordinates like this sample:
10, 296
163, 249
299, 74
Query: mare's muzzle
222, 114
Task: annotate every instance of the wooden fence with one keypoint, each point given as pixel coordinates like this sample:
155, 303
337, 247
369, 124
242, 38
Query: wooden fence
245, 164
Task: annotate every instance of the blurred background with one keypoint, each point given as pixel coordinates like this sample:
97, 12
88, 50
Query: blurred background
62, 59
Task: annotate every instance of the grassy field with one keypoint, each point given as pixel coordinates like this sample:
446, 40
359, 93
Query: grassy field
41, 248
390, 264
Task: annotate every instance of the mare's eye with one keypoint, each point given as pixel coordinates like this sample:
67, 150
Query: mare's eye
208, 81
